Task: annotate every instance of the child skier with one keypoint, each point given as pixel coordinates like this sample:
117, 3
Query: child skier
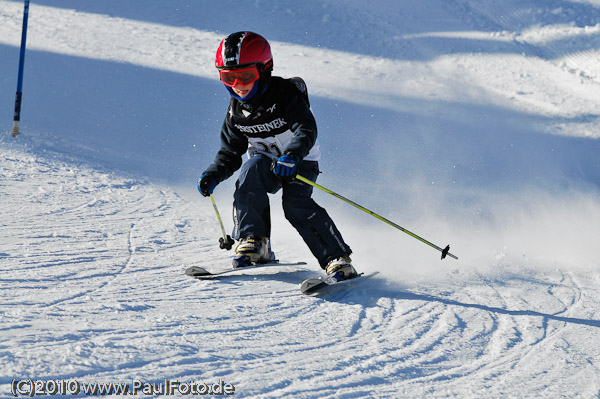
270, 118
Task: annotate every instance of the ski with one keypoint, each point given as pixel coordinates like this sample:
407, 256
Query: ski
201, 273
320, 285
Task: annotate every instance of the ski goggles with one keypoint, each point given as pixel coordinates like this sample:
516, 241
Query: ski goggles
244, 76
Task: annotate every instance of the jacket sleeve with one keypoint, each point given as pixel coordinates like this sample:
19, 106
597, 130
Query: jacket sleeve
302, 124
229, 156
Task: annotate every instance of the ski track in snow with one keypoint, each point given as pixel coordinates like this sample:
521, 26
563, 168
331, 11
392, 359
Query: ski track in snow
91, 260
93, 289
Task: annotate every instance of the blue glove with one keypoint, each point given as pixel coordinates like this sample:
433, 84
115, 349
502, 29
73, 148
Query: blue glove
207, 184
285, 165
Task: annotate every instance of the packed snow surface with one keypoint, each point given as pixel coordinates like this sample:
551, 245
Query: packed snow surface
474, 123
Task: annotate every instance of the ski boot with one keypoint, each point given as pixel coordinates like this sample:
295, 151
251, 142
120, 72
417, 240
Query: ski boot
340, 269
253, 250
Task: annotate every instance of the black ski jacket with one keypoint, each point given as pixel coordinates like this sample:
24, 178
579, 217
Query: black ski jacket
277, 121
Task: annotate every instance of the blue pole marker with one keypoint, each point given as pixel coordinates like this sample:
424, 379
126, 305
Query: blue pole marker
17, 118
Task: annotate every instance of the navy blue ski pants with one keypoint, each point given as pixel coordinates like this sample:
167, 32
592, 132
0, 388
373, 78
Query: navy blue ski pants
252, 210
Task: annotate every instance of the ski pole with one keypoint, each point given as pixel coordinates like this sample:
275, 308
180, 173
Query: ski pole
226, 241
445, 251
19, 96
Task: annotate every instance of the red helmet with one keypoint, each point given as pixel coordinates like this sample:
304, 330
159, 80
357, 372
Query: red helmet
242, 49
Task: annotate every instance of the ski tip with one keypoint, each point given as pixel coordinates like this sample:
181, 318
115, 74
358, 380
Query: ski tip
316, 285
196, 271
311, 285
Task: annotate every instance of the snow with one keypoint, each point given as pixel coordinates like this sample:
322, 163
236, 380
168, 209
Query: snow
470, 123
